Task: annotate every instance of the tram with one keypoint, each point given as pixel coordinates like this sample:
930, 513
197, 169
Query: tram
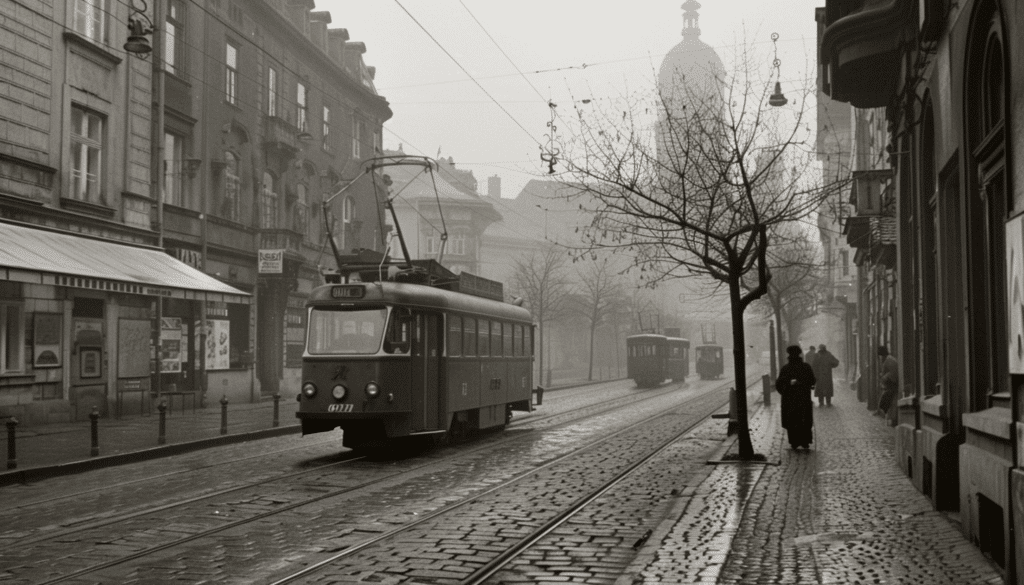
405, 348
646, 359
677, 365
710, 362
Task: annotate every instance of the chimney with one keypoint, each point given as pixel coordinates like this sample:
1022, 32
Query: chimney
494, 187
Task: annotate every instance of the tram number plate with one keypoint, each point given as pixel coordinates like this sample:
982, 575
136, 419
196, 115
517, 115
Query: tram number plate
340, 407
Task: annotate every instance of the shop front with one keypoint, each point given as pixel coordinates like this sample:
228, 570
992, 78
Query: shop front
91, 324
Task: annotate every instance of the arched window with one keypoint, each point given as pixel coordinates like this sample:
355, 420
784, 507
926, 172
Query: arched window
268, 202
232, 187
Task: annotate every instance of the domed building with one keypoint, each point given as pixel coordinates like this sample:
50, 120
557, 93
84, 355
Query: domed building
692, 63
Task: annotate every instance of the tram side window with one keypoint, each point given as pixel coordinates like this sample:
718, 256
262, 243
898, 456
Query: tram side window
517, 340
484, 344
506, 339
528, 341
454, 335
469, 336
496, 339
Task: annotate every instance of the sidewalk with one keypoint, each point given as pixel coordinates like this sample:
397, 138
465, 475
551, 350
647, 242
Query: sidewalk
57, 449
842, 512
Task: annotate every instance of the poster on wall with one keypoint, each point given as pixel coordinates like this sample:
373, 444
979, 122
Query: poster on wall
46, 347
170, 345
1015, 292
218, 344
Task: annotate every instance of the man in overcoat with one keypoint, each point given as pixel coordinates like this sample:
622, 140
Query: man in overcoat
795, 381
823, 365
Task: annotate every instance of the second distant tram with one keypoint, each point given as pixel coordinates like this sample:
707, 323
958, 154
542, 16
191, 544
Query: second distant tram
652, 358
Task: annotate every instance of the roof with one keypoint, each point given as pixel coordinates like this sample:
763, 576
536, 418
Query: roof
61, 259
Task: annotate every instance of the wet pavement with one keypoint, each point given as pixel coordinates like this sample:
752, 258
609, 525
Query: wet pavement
841, 512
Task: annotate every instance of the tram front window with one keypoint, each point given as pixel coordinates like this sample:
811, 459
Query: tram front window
334, 331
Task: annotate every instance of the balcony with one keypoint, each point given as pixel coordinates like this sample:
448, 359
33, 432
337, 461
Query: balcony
861, 49
279, 137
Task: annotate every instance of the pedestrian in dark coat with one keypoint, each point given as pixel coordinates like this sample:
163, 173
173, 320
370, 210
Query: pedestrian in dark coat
795, 381
823, 365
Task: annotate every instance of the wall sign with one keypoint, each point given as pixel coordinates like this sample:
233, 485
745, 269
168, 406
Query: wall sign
271, 261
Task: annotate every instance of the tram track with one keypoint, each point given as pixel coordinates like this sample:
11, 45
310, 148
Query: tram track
500, 560
280, 507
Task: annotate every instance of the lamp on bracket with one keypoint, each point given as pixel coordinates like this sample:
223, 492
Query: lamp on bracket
139, 29
777, 100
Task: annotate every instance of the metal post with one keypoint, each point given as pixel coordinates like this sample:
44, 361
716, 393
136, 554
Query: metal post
12, 453
540, 395
162, 437
223, 415
767, 390
734, 422
94, 423
277, 412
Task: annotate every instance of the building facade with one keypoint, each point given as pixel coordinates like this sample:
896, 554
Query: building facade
210, 143
947, 76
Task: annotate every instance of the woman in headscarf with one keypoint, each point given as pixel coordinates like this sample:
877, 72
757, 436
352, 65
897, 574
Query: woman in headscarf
795, 381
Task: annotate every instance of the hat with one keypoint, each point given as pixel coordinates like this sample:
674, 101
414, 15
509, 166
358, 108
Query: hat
810, 348
794, 350
883, 351
821, 347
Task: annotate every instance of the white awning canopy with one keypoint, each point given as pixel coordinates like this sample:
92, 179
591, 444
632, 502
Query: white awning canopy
38, 256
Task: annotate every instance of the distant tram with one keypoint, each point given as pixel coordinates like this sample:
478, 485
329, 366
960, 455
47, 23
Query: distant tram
710, 362
651, 358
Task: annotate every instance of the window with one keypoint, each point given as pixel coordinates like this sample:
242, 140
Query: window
483, 338
469, 336
12, 338
528, 341
327, 127
90, 19
174, 37
86, 155
301, 107
454, 336
271, 92
378, 142
844, 262
457, 245
335, 332
357, 137
231, 74
496, 338
232, 186
517, 340
172, 185
268, 202
506, 334
348, 211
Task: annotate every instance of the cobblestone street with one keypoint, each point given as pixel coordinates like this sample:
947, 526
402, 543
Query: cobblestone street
840, 513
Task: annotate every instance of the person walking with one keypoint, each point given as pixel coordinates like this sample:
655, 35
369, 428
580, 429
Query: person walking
824, 363
889, 379
810, 356
794, 383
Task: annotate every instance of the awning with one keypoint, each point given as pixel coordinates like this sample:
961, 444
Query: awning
59, 259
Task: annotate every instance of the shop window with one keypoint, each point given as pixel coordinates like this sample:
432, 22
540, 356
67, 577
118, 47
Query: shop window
238, 318
12, 338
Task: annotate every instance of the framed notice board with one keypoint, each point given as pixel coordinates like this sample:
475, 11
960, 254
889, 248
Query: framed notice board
134, 337
46, 340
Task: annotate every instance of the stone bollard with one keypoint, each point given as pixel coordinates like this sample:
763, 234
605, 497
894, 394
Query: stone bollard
162, 436
94, 424
540, 395
766, 390
277, 411
224, 415
12, 453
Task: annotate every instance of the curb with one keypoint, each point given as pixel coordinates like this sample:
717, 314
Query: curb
22, 476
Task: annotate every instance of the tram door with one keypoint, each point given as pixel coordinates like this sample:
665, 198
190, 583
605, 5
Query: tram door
426, 350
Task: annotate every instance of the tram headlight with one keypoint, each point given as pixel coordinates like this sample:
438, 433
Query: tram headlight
339, 391
309, 389
372, 389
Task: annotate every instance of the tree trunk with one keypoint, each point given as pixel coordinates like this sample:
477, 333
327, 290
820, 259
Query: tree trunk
590, 369
780, 349
540, 353
740, 368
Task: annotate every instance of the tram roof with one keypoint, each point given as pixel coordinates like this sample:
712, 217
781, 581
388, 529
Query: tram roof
421, 296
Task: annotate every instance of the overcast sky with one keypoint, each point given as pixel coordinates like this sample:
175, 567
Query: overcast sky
497, 128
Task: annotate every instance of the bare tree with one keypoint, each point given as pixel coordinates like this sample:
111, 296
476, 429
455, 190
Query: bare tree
542, 278
699, 191
599, 294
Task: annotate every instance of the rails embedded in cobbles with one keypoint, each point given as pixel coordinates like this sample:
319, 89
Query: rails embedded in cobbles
168, 528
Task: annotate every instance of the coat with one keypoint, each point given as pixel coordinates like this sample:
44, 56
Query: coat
823, 365
794, 383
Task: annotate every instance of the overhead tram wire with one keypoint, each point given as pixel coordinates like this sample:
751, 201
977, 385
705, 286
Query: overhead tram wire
464, 70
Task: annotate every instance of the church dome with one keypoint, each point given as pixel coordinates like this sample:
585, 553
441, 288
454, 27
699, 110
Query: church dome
692, 61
